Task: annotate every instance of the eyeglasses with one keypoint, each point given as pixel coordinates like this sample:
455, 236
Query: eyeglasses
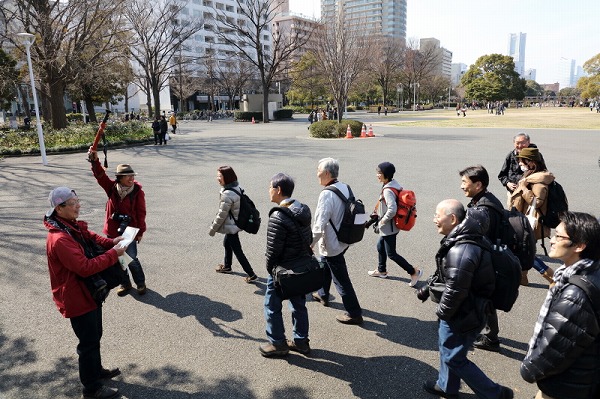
558, 237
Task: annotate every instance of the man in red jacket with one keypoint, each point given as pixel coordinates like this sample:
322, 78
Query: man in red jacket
68, 265
126, 206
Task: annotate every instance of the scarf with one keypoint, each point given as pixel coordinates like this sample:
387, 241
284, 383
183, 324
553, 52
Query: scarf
124, 191
561, 279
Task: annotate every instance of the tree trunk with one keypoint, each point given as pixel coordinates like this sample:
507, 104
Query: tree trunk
265, 103
58, 112
89, 107
156, 96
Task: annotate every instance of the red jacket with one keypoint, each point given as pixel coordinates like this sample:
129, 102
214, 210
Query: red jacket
133, 204
67, 263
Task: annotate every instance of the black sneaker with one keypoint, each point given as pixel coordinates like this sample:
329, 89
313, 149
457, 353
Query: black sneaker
483, 342
299, 346
107, 374
434, 389
102, 393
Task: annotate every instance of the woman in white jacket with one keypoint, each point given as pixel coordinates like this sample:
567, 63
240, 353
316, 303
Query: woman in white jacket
388, 232
224, 223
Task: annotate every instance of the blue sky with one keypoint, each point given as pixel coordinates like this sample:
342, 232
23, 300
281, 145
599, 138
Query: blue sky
470, 29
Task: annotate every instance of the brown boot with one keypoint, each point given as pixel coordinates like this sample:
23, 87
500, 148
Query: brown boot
548, 274
524, 279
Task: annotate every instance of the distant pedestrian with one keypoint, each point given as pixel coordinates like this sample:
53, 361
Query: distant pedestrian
378, 110
164, 129
156, 129
173, 122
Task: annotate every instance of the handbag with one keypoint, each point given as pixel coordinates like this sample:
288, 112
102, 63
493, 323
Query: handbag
531, 214
167, 137
298, 276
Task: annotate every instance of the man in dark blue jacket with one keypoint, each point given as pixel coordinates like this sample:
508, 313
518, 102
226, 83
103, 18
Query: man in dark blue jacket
564, 351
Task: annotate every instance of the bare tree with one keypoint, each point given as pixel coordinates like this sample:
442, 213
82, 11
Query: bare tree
249, 41
342, 56
419, 65
185, 79
232, 76
158, 30
435, 88
308, 83
63, 30
386, 63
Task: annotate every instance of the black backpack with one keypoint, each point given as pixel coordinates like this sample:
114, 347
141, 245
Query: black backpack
350, 231
517, 235
508, 274
248, 217
557, 204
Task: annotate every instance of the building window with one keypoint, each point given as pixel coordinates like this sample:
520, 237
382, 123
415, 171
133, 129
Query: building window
209, 39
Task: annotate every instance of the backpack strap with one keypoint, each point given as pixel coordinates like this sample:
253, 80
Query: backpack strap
239, 193
592, 292
343, 198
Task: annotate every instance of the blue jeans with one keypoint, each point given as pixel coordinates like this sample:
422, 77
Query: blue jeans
336, 270
135, 267
455, 366
539, 265
274, 318
386, 246
232, 245
88, 329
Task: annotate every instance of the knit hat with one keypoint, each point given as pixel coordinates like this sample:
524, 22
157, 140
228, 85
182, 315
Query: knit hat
124, 170
387, 169
533, 154
58, 196
229, 175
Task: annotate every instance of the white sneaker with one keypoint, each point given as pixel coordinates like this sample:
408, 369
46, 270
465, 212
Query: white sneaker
414, 279
377, 273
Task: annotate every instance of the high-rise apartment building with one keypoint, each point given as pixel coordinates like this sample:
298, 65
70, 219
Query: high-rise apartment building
370, 17
458, 70
516, 49
443, 65
566, 73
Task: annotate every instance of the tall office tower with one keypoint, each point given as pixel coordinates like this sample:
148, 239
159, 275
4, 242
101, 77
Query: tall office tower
458, 70
370, 17
516, 49
530, 74
443, 66
566, 73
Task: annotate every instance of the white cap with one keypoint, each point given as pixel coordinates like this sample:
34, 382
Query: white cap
58, 196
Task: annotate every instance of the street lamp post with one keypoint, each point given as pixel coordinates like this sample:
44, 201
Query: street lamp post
27, 39
449, 88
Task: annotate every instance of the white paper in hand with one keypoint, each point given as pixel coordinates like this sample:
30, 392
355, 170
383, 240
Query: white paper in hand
128, 236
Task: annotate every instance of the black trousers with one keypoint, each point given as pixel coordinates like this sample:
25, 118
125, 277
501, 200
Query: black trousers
88, 328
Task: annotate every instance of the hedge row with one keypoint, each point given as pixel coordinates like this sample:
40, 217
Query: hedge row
332, 129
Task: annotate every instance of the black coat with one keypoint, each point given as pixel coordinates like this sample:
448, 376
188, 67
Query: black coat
468, 274
286, 239
494, 209
511, 171
565, 360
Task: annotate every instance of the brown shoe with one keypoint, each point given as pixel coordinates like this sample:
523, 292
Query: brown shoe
524, 279
345, 318
124, 290
548, 275
223, 269
251, 279
316, 297
299, 346
272, 350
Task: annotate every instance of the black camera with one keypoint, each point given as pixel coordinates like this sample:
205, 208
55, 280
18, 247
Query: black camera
123, 220
423, 293
373, 218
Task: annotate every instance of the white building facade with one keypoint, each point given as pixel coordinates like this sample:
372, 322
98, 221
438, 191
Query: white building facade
516, 49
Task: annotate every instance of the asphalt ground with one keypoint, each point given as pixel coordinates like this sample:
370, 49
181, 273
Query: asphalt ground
196, 333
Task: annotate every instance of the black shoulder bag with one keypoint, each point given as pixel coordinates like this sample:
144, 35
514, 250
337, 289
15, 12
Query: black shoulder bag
298, 276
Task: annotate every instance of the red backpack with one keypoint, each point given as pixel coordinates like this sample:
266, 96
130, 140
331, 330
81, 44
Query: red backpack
406, 211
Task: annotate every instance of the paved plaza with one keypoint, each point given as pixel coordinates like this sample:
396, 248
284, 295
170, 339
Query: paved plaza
196, 333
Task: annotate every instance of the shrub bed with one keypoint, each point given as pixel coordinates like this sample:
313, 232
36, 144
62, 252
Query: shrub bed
332, 130
283, 114
247, 116
73, 138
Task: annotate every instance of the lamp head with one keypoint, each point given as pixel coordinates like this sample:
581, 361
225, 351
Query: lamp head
26, 38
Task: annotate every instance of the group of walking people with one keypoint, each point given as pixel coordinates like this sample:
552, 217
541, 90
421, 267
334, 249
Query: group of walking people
564, 352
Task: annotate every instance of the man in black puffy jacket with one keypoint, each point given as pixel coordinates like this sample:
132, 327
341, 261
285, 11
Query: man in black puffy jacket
288, 237
468, 274
564, 351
